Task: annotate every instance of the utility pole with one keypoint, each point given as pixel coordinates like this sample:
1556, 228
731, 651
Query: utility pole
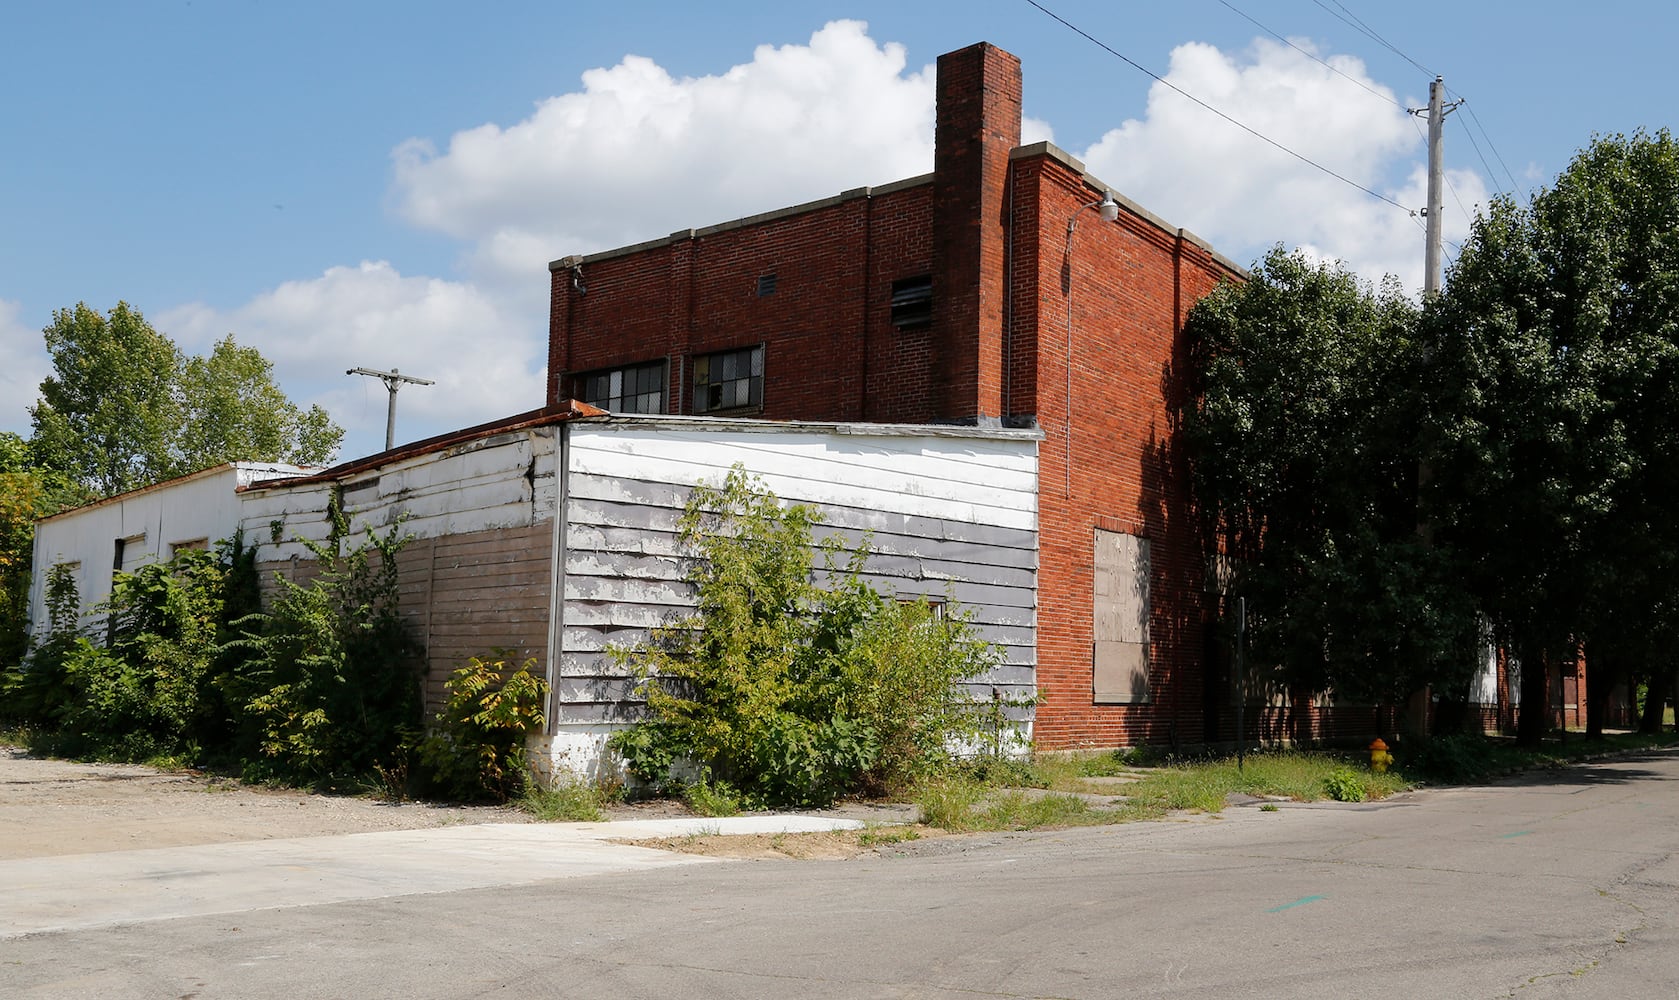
393, 381
1436, 208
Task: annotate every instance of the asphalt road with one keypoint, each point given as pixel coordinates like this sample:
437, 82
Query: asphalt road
1560, 884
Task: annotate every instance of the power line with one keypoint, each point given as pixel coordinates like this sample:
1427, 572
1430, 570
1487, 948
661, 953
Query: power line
1184, 93
1514, 184
1385, 98
1491, 174
1351, 20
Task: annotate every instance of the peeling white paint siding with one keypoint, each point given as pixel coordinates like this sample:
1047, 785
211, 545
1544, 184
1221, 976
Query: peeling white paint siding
204, 505
502, 481
950, 514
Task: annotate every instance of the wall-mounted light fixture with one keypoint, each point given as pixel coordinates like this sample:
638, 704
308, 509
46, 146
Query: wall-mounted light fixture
1105, 206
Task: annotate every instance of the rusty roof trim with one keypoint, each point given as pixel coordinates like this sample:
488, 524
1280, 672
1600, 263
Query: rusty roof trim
564, 410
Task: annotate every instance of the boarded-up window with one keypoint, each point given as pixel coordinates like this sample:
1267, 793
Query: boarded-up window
1121, 618
130, 553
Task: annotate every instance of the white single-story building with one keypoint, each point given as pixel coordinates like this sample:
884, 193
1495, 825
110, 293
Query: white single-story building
552, 534
124, 532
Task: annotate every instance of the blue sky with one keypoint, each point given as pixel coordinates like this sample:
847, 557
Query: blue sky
382, 184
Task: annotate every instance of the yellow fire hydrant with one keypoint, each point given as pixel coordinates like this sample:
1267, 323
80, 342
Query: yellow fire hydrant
1379, 756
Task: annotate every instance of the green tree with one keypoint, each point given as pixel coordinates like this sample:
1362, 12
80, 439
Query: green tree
1554, 403
26, 493
124, 407
109, 411
233, 411
1302, 437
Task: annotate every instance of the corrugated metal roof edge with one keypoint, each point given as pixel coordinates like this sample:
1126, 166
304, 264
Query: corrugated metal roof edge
566, 409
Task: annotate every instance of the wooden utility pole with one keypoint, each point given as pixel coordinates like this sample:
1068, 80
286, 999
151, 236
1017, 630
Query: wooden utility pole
1435, 210
393, 381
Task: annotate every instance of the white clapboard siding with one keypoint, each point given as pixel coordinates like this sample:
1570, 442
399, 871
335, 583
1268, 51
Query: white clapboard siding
946, 518
506, 481
800, 476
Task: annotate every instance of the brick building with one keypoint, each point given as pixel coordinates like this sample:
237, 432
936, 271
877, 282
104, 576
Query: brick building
998, 289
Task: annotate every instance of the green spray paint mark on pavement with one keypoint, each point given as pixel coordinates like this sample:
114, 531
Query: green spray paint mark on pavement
1518, 833
1302, 901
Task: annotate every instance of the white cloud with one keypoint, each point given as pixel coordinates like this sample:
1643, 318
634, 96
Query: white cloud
1243, 194
637, 153
487, 363
23, 364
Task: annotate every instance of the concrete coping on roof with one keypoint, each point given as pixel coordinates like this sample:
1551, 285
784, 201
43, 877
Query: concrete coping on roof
1072, 162
1047, 149
757, 426
751, 220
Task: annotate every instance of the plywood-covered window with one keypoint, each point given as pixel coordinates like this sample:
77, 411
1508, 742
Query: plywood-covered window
1121, 616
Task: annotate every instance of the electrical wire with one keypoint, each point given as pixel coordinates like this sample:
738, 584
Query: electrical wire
1514, 184
1350, 19
1191, 97
1384, 98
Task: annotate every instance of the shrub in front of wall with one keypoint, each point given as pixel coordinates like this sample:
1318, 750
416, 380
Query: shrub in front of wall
327, 680
475, 748
791, 693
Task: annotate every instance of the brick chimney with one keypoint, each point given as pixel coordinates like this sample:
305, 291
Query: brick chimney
978, 125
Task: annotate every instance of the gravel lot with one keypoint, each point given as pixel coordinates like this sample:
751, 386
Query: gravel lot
53, 807
56, 807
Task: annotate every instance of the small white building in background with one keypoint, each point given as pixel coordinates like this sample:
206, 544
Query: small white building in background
124, 532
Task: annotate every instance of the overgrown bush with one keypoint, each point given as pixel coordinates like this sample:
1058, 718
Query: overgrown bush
35, 694
475, 748
790, 693
327, 683
139, 694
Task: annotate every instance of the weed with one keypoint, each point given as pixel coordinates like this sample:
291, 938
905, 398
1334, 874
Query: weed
712, 798
476, 746
947, 803
565, 802
1269, 807
699, 833
877, 836
1344, 785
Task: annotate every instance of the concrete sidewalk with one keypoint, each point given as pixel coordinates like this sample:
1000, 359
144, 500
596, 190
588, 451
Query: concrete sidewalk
81, 891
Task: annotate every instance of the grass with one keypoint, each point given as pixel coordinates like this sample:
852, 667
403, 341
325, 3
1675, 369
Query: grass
1057, 790
711, 798
564, 802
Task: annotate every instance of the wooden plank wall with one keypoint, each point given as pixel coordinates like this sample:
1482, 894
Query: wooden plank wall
475, 572
949, 516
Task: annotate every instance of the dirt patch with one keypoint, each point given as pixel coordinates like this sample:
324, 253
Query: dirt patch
55, 807
836, 845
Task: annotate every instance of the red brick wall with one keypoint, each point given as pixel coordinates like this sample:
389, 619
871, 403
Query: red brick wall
1108, 459
830, 350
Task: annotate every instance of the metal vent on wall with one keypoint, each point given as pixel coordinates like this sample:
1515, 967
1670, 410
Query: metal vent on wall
912, 302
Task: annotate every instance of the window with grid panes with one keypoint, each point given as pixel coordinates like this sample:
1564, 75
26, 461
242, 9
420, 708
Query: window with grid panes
729, 380
632, 389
